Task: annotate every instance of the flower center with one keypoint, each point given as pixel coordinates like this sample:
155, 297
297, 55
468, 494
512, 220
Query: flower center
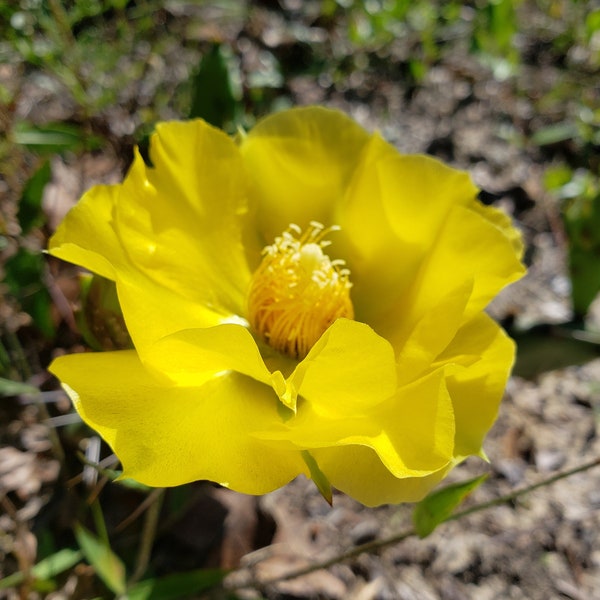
297, 292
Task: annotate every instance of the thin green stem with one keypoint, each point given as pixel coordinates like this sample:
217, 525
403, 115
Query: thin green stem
409, 532
17, 353
148, 536
61, 19
99, 521
526, 490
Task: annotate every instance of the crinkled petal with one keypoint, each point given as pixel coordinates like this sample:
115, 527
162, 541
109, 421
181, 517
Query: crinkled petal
171, 235
412, 432
183, 357
503, 222
152, 311
472, 260
86, 236
419, 192
381, 264
412, 233
431, 334
170, 435
359, 472
182, 224
299, 162
390, 216
486, 355
349, 370
469, 248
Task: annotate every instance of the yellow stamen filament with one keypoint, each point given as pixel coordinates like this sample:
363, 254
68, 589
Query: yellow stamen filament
297, 292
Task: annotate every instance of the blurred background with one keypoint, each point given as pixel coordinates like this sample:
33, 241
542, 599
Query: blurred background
508, 90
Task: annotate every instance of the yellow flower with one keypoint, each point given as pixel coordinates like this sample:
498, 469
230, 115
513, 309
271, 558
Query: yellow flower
302, 300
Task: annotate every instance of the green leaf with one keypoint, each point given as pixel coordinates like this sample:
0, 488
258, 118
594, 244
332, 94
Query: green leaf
438, 506
318, 477
57, 563
548, 347
30, 206
176, 586
553, 134
47, 568
14, 388
212, 95
582, 223
52, 137
557, 176
107, 564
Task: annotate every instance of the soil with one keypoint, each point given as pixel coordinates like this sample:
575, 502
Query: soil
543, 546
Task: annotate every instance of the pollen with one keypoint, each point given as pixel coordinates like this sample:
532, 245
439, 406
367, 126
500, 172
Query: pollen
297, 292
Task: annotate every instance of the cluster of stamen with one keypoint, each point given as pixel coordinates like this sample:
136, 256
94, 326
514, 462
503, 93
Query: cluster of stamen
297, 292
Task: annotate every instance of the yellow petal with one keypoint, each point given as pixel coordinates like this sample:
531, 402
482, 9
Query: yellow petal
412, 232
170, 235
469, 248
358, 471
486, 354
300, 162
419, 192
170, 435
503, 222
152, 311
412, 432
86, 236
430, 335
382, 265
182, 223
350, 369
185, 356
390, 217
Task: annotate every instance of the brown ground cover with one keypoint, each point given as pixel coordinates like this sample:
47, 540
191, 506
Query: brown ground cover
544, 545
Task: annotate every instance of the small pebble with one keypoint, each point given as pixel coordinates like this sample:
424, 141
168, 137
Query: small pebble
365, 531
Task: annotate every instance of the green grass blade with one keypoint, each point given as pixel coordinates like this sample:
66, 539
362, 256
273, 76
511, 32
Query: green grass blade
176, 586
46, 569
107, 564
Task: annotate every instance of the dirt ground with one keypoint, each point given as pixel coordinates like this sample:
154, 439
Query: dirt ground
543, 546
